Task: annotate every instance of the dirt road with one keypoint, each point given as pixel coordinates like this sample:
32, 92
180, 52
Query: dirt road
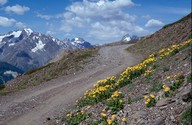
33, 105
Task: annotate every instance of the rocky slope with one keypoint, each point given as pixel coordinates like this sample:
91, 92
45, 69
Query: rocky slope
156, 91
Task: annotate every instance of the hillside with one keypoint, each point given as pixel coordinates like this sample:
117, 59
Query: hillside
71, 62
153, 92
37, 103
170, 34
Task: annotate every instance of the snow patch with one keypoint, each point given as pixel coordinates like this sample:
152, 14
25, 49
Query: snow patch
28, 31
11, 44
35, 37
127, 39
9, 72
15, 33
39, 46
1, 38
77, 40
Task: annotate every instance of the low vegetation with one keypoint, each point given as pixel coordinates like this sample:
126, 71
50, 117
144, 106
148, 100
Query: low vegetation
72, 61
186, 117
108, 91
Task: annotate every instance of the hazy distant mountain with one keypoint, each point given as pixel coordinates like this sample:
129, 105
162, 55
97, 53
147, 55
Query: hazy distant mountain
8, 72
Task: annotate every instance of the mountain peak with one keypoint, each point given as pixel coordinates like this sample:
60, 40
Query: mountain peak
28, 31
128, 38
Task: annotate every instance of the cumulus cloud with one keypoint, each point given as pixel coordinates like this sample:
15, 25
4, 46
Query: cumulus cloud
152, 23
6, 22
20, 25
101, 19
2, 2
17, 9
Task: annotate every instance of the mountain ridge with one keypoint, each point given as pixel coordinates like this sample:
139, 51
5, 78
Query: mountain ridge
27, 49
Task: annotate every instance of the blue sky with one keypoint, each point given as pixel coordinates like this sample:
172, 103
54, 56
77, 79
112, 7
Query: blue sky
97, 21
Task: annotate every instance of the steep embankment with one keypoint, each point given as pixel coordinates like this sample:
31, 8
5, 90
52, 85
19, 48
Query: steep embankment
153, 92
170, 34
33, 105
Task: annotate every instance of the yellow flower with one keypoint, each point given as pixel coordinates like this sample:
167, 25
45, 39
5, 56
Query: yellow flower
167, 89
168, 77
103, 114
103, 110
148, 100
109, 121
68, 115
146, 97
120, 100
82, 111
146, 103
88, 107
124, 119
164, 86
113, 116
152, 96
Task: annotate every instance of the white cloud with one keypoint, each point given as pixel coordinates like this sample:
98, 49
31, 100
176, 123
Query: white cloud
102, 20
47, 17
6, 22
2, 2
152, 23
102, 7
20, 25
17, 9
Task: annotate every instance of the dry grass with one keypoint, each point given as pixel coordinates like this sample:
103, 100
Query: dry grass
72, 61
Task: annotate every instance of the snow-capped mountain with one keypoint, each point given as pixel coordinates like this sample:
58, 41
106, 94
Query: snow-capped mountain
80, 43
128, 38
26, 49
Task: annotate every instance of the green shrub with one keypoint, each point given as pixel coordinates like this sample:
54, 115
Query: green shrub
2, 86
189, 78
186, 117
165, 69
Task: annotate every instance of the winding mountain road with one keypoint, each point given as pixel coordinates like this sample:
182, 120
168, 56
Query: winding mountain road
34, 105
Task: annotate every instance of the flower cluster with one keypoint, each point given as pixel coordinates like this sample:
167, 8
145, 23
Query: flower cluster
104, 82
167, 90
148, 72
134, 71
150, 100
175, 83
173, 49
115, 102
76, 118
111, 119
102, 90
